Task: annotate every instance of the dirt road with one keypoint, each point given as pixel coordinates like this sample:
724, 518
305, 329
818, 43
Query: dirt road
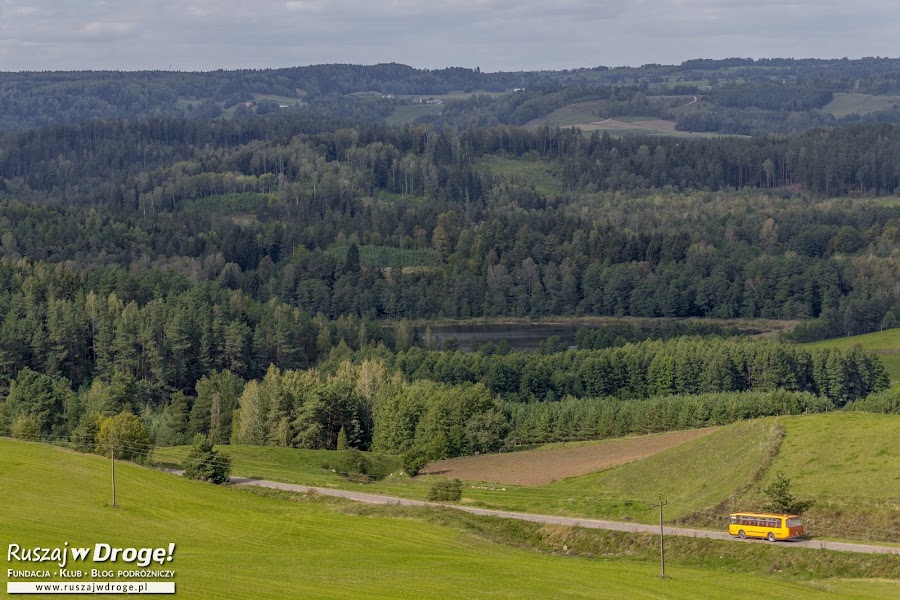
570, 521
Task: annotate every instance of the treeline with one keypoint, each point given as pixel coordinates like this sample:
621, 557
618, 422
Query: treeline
619, 334
770, 97
756, 121
655, 368
368, 406
597, 418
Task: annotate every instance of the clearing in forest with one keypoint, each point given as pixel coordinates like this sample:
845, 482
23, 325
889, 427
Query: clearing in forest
539, 467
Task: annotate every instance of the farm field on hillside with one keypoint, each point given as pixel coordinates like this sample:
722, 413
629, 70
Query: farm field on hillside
846, 464
845, 104
842, 455
692, 476
231, 542
406, 114
541, 466
586, 116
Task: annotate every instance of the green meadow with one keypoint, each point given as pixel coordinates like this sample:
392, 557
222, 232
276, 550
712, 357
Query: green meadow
845, 104
848, 464
232, 543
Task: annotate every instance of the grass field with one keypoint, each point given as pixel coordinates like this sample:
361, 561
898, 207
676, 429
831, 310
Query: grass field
544, 465
847, 463
845, 104
578, 113
842, 455
587, 116
527, 173
238, 544
406, 114
886, 344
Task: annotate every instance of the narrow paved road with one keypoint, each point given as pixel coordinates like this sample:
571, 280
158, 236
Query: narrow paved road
570, 521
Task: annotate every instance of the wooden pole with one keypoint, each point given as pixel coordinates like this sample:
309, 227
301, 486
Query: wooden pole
662, 543
112, 460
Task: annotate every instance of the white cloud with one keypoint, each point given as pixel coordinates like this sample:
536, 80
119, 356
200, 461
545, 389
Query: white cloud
108, 29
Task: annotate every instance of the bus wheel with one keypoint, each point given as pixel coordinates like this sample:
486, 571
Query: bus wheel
742, 535
771, 537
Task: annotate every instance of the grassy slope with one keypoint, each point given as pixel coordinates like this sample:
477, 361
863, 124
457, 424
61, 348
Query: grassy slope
842, 455
884, 343
845, 104
690, 476
849, 464
235, 544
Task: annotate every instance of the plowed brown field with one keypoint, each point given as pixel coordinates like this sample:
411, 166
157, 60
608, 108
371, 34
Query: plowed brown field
538, 467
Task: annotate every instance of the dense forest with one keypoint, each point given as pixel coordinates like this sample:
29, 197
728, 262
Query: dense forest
268, 278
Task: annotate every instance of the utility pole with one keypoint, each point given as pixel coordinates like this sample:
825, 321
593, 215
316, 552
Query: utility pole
112, 460
662, 545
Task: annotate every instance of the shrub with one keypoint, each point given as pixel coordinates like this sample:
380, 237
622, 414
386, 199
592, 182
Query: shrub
413, 461
448, 490
886, 402
204, 463
26, 427
354, 465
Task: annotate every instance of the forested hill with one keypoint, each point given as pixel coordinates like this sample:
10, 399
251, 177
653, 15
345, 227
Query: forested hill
35, 99
233, 244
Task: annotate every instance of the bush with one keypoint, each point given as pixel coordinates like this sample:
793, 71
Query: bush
204, 463
886, 402
26, 427
413, 461
448, 490
354, 465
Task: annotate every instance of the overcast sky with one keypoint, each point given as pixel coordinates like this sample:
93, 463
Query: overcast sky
491, 34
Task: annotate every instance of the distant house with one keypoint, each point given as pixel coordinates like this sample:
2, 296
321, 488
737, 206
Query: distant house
248, 105
434, 101
388, 96
518, 89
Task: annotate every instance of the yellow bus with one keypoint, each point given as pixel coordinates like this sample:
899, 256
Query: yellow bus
765, 525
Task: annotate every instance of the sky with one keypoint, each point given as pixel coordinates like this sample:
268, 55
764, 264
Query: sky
495, 35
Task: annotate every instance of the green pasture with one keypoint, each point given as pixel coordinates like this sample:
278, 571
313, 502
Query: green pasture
238, 544
842, 455
845, 104
536, 173
406, 114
